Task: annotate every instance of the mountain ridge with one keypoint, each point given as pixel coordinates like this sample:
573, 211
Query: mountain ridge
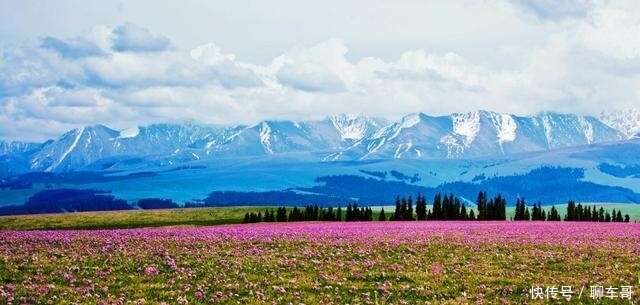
339, 137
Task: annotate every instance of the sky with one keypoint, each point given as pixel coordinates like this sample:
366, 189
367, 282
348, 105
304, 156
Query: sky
69, 63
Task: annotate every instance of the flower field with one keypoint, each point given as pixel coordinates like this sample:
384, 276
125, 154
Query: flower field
320, 263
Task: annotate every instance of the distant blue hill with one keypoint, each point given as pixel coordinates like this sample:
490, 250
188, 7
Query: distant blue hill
545, 184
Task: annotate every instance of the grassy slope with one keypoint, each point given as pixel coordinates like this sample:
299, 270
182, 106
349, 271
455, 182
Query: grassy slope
127, 219
195, 216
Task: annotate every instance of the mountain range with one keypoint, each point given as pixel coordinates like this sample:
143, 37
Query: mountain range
549, 157
336, 138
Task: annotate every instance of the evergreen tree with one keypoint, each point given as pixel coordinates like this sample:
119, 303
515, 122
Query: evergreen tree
553, 214
463, 213
526, 216
627, 218
246, 218
398, 210
571, 211
409, 215
457, 208
619, 217
481, 203
339, 214
294, 214
382, 216
437, 207
601, 215
472, 215
501, 213
402, 214
421, 208
579, 212
519, 210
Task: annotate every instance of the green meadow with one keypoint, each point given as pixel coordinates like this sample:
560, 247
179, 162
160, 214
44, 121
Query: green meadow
189, 217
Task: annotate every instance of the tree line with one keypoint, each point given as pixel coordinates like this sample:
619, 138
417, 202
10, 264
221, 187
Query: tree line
444, 207
311, 213
585, 213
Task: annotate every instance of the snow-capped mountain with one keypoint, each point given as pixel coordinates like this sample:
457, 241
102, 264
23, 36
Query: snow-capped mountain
479, 133
627, 122
74, 149
271, 137
86, 145
15, 147
339, 137
356, 127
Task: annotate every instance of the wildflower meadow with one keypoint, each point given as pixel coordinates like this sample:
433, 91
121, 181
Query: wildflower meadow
434, 262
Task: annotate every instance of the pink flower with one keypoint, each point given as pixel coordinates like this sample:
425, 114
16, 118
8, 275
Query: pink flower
437, 269
199, 295
151, 271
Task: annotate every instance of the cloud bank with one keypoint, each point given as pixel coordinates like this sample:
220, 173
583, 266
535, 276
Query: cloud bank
125, 75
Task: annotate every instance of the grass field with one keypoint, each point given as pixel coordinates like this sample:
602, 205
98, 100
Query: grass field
189, 261
186, 217
127, 219
427, 262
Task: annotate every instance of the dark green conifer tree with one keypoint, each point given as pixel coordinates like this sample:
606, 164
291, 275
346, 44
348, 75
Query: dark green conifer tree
463, 212
481, 203
437, 207
421, 208
382, 216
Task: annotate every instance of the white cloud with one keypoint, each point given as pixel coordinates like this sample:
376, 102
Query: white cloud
130, 37
555, 10
73, 48
320, 68
580, 57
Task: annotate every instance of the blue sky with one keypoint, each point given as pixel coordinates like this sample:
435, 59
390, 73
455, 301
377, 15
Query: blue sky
67, 63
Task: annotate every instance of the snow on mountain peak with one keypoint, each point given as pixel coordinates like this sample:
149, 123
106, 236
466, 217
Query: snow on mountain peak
69, 149
352, 126
345, 136
129, 133
265, 137
467, 125
410, 120
506, 127
587, 129
627, 122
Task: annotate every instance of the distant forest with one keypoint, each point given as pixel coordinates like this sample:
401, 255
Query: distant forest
444, 207
546, 185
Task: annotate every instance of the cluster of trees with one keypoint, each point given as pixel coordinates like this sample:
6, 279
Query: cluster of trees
586, 213
444, 207
491, 209
308, 213
355, 213
537, 213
